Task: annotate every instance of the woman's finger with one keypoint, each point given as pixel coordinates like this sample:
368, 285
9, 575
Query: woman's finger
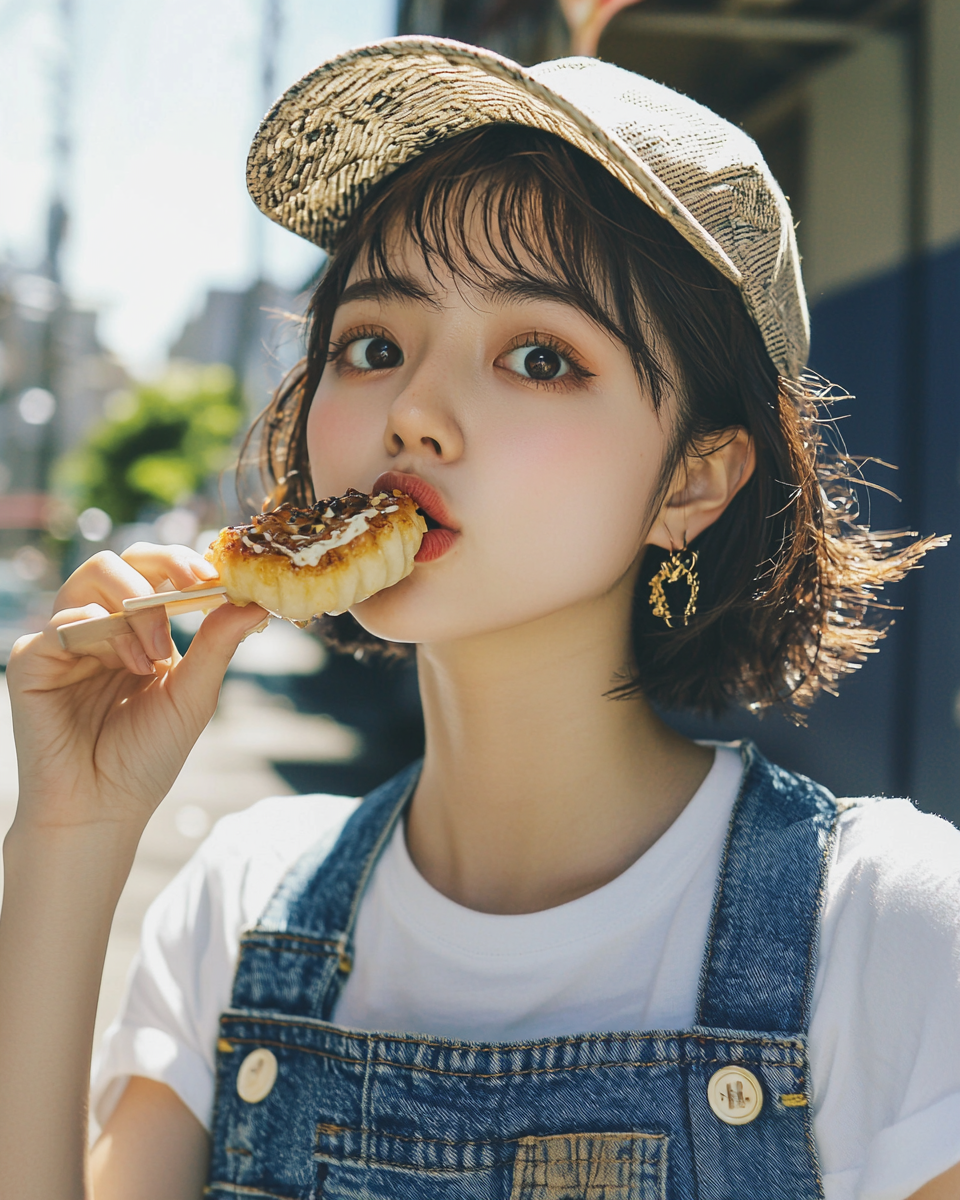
147, 642
56, 667
101, 584
152, 629
109, 578
180, 565
202, 668
105, 579
104, 582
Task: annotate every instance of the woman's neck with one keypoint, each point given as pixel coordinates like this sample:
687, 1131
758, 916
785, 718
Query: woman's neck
537, 787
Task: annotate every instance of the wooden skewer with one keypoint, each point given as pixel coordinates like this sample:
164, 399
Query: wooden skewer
135, 603
79, 636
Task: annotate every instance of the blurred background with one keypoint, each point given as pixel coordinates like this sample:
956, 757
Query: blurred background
147, 310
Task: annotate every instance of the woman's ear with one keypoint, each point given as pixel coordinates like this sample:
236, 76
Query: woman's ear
705, 482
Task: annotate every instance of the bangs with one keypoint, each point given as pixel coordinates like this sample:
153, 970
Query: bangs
512, 217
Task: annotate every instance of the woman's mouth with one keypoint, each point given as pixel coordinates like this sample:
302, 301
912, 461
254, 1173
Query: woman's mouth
441, 531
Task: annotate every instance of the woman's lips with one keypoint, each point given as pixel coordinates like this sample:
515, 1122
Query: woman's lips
436, 542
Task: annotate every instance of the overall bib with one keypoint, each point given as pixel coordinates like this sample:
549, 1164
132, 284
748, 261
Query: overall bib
308, 1110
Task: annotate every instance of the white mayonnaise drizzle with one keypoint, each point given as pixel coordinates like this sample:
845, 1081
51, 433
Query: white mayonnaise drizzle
310, 555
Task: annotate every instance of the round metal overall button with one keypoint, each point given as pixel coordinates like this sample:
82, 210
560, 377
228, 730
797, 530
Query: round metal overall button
735, 1095
257, 1075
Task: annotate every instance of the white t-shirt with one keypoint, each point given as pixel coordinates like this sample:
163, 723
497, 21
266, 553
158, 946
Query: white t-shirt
885, 1028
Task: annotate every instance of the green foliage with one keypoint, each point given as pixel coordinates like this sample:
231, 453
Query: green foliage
157, 444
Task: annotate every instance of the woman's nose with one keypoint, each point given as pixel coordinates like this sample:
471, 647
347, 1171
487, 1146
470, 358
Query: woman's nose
421, 423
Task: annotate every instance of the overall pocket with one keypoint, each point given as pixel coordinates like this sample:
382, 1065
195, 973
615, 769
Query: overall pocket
591, 1166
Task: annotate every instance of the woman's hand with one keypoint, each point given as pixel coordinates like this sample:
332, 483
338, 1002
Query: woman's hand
101, 737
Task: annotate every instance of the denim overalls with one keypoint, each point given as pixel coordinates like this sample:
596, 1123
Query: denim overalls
306, 1109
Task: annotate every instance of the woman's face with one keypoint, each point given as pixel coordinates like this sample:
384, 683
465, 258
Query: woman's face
525, 419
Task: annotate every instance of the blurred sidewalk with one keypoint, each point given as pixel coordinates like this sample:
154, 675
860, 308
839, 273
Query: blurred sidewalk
228, 770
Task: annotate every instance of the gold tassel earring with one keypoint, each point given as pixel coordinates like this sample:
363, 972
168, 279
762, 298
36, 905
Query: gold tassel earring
682, 564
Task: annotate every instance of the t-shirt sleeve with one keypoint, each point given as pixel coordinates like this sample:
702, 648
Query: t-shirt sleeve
181, 978
885, 1029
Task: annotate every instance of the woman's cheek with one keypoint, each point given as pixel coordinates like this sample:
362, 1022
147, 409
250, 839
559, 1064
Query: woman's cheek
569, 504
600, 466
343, 441
533, 455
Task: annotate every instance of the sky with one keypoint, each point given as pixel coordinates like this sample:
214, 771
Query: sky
165, 98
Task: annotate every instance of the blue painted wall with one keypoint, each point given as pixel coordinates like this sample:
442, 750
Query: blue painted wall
935, 771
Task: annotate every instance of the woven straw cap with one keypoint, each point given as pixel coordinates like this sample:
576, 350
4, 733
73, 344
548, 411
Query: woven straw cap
355, 119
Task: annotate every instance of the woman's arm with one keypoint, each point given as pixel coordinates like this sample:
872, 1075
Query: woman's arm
152, 1147
100, 739
944, 1187
60, 891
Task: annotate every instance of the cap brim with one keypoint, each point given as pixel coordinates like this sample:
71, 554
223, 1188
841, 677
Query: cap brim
358, 117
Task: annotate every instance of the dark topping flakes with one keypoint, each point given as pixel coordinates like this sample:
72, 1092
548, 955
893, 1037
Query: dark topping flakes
288, 529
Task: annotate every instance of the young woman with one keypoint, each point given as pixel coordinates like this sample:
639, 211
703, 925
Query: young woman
572, 954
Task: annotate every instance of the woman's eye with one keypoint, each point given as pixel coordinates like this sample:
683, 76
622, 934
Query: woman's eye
537, 362
373, 354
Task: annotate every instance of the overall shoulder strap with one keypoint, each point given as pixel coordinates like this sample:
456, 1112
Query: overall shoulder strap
297, 957
761, 955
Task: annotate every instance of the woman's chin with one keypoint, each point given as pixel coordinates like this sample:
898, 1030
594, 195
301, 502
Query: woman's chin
411, 613
396, 614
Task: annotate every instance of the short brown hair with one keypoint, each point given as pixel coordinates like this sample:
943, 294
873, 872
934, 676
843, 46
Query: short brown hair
788, 574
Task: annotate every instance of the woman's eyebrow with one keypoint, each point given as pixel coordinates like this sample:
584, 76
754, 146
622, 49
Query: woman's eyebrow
534, 289
397, 287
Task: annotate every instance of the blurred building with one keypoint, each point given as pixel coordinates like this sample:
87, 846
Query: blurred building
856, 105
55, 377
257, 332
527, 31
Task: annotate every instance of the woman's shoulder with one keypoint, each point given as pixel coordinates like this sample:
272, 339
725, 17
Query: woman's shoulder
884, 1035
276, 826
235, 871
903, 858
885, 846
891, 916
181, 978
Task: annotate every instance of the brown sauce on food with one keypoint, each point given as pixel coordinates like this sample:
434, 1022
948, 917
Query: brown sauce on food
287, 530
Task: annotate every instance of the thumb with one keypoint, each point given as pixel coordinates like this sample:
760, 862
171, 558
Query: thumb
204, 665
